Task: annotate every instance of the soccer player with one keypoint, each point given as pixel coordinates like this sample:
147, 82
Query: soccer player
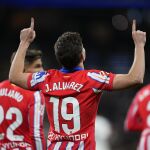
138, 117
72, 93
21, 111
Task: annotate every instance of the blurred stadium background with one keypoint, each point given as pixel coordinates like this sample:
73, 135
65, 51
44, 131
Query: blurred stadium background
105, 27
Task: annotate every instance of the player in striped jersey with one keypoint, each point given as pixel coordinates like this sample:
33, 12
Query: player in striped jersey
21, 111
72, 93
138, 117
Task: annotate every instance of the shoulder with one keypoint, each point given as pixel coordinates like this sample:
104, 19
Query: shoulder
101, 72
5, 82
37, 77
42, 74
143, 93
52, 70
97, 74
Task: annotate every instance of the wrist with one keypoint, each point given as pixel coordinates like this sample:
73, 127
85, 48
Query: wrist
24, 43
139, 46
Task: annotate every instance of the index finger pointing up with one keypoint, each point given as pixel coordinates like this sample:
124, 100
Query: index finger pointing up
134, 25
32, 23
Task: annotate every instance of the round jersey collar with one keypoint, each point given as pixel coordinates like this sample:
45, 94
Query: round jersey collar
65, 70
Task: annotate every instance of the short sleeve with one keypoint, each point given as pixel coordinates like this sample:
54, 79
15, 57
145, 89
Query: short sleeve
103, 80
35, 80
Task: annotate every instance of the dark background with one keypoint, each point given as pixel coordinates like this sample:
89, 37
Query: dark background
106, 31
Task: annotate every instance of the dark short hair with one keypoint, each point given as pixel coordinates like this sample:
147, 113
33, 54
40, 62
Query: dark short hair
31, 56
68, 49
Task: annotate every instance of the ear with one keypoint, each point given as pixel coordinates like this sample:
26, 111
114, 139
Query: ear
83, 54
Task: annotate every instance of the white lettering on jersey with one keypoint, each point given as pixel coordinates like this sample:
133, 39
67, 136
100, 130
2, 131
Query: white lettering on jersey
11, 93
76, 137
100, 77
38, 77
64, 86
11, 145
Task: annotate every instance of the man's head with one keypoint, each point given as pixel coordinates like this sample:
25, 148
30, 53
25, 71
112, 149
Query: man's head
69, 50
33, 62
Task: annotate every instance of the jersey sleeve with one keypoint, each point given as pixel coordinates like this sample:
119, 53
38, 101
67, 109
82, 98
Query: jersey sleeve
102, 79
36, 114
133, 121
35, 80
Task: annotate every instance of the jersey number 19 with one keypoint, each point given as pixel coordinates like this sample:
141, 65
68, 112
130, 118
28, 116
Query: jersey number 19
74, 116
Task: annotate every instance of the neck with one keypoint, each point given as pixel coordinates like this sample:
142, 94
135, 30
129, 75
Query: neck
81, 65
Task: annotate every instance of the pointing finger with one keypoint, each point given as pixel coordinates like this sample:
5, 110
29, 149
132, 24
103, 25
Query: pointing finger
134, 25
32, 23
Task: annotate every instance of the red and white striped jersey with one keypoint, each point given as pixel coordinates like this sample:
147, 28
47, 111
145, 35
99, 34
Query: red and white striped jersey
21, 118
144, 143
138, 116
72, 100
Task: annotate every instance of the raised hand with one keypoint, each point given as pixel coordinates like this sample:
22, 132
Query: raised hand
28, 34
138, 36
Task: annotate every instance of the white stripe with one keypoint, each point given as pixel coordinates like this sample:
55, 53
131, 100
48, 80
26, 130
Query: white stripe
81, 146
141, 145
37, 106
16, 149
144, 137
70, 145
48, 143
2, 148
148, 142
57, 146
98, 77
28, 148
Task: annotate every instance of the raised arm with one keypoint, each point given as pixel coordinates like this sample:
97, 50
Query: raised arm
16, 74
137, 70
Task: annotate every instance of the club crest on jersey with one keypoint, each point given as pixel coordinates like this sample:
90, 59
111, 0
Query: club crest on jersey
38, 77
100, 77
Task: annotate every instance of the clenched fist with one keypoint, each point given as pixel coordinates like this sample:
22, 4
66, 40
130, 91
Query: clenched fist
138, 36
28, 34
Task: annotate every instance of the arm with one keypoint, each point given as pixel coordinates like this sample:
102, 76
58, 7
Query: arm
136, 73
36, 114
133, 121
16, 74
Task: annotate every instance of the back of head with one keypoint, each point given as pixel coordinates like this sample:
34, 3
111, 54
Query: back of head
31, 56
68, 49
